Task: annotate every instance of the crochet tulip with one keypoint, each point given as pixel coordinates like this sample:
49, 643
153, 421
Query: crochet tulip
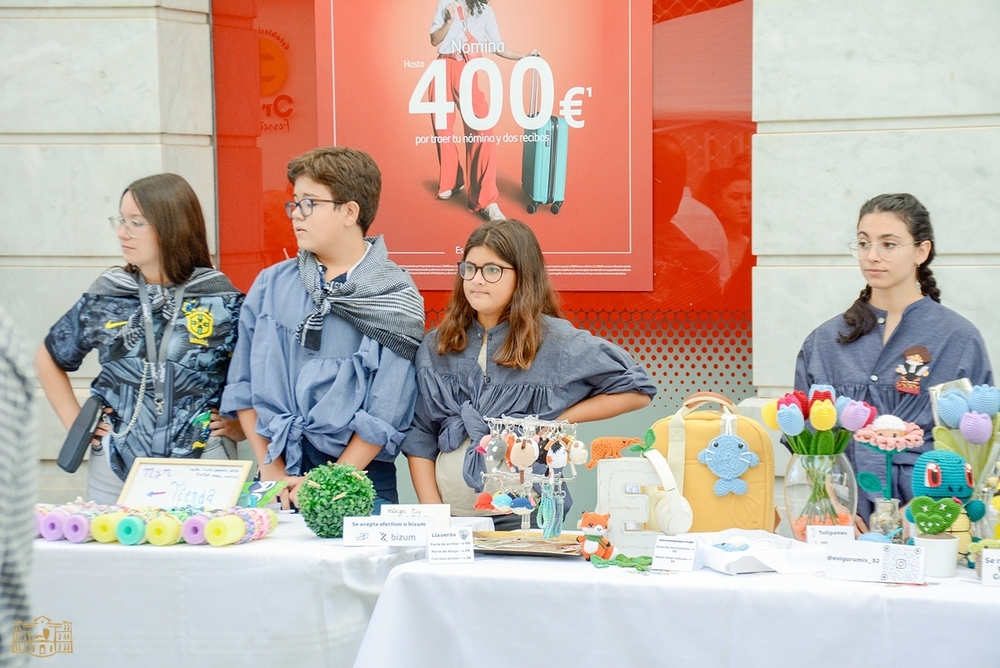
951, 406
818, 392
856, 414
977, 428
791, 420
769, 414
803, 402
823, 415
842, 401
985, 399
790, 399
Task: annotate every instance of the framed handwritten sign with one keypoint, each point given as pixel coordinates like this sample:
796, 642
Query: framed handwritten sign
167, 483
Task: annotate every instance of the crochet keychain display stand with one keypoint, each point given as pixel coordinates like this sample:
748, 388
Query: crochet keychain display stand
511, 449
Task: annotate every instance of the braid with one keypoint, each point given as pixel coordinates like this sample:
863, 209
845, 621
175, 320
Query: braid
860, 318
928, 285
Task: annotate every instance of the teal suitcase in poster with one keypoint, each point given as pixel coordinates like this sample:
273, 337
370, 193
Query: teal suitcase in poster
543, 165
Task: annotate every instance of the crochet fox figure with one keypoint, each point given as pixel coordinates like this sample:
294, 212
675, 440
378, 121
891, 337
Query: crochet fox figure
593, 542
609, 447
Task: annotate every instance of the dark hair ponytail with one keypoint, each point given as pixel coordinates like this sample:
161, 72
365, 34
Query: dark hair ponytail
928, 285
860, 318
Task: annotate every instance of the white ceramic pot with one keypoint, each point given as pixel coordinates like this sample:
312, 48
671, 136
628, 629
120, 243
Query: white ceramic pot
940, 554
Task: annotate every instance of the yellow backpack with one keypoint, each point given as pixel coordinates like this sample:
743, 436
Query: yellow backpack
680, 438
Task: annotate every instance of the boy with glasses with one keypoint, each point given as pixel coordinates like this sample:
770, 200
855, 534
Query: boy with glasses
323, 368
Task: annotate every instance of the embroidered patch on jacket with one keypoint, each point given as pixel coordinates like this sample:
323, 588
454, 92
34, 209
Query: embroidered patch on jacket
200, 323
913, 370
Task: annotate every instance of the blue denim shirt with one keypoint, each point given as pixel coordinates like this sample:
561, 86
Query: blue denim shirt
866, 370
455, 394
351, 385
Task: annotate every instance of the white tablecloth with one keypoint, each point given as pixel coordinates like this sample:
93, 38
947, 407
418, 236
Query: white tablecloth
510, 611
291, 599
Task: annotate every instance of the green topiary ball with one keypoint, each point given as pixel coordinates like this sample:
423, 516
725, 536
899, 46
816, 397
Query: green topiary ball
332, 492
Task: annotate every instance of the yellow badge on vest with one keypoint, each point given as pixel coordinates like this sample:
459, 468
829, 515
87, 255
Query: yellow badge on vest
200, 323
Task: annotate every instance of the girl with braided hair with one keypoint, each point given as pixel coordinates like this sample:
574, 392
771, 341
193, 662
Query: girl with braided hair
870, 353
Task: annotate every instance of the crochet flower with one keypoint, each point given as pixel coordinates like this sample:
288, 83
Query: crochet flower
803, 401
856, 414
985, 399
842, 401
769, 413
820, 392
790, 419
951, 406
976, 427
789, 399
823, 415
890, 434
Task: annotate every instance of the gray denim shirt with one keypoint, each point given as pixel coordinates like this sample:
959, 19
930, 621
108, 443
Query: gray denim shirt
455, 394
867, 370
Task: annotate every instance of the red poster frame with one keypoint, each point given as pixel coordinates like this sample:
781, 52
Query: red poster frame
601, 241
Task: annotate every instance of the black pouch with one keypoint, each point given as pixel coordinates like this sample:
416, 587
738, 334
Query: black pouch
80, 434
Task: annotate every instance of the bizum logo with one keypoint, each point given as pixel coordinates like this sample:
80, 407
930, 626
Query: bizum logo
469, 48
42, 638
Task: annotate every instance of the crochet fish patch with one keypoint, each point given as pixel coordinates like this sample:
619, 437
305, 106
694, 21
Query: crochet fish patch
728, 457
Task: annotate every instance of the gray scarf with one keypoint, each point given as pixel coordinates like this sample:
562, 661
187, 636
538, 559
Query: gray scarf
120, 283
379, 300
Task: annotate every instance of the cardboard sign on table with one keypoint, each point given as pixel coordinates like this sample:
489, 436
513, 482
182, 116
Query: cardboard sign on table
391, 532
440, 513
213, 484
991, 567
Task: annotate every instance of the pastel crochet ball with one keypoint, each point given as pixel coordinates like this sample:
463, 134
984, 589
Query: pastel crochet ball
985, 399
951, 406
977, 428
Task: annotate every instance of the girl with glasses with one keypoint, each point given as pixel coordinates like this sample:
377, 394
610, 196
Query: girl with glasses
164, 327
896, 340
503, 348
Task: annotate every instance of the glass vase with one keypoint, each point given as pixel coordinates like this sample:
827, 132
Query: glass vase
820, 490
887, 520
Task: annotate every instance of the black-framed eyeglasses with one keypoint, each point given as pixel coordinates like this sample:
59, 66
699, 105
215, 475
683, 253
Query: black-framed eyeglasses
133, 228
306, 206
886, 248
491, 272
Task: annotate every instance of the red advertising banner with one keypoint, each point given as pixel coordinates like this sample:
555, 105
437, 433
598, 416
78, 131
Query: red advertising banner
539, 111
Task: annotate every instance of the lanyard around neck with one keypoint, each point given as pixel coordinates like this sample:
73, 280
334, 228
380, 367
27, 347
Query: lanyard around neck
158, 356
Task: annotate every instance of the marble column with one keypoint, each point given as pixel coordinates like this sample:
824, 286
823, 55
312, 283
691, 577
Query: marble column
856, 98
93, 95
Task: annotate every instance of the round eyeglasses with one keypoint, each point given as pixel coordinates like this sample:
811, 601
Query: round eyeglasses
306, 206
491, 272
887, 250
133, 228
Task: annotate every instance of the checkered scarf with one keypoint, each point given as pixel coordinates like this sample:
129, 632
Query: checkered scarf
379, 300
